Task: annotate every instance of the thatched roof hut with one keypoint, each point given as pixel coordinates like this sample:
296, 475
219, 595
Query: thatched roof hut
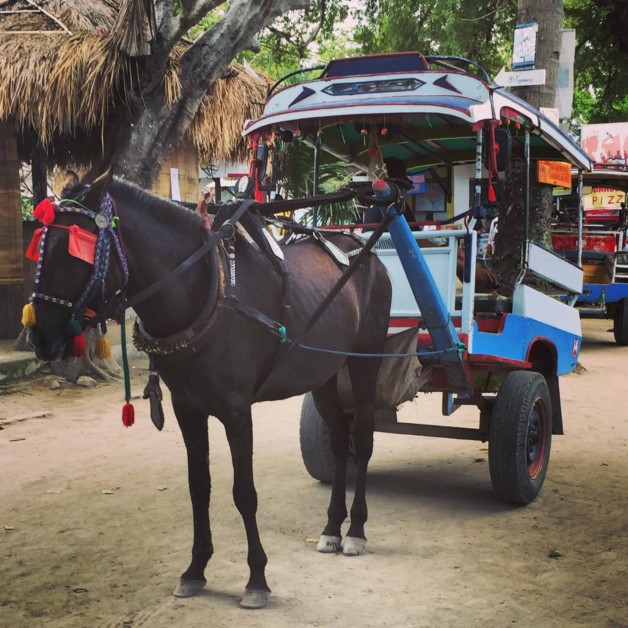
67, 69
63, 79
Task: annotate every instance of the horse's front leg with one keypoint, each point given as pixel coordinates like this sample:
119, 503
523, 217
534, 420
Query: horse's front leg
354, 543
239, 429
193, 426
338, 425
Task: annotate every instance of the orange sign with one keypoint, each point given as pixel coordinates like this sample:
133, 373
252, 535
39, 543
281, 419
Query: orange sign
555, 173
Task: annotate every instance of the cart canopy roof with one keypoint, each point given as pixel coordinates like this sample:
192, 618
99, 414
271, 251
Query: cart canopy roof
614, 177
425, 111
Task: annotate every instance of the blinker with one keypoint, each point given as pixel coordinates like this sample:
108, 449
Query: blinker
81, 243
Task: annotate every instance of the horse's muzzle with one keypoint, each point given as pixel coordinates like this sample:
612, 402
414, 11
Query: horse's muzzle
46, 349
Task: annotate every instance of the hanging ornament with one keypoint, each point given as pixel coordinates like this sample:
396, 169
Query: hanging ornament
78, 345
28, 315
103, 348
128, 414
384, 131
45, 212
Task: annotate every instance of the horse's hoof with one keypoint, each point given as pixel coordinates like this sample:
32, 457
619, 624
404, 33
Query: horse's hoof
353, 546
189, 588
254, 599
328, 544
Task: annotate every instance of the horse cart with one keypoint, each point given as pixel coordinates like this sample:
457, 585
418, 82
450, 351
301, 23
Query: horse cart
603, 244
455, 132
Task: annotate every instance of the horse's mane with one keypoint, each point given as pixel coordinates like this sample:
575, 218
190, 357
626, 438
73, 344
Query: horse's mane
129, 193
154, 205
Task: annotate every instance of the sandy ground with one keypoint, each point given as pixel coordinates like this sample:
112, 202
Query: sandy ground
95, 522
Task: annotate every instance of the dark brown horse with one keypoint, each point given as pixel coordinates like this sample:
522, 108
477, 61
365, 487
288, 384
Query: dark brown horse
214, 340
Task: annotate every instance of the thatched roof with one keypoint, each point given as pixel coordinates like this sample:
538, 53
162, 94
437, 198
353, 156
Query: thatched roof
62, 79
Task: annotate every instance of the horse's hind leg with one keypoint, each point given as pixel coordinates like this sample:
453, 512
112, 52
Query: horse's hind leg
239, 431
338, 424
193, 426
363, 373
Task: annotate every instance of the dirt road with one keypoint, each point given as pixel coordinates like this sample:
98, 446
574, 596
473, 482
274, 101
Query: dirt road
95, 521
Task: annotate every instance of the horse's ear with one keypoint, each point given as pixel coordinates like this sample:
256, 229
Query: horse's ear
98, 189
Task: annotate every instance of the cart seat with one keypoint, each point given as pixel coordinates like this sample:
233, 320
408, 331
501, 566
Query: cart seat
487, 304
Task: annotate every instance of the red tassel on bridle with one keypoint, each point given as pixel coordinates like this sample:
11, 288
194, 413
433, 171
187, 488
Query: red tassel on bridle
128, 414
45, 212
78, 345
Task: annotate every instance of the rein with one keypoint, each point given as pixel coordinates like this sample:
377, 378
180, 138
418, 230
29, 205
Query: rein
225, 231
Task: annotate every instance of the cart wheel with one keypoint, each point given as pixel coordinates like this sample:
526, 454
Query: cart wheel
620, 322
520, 437
315, 446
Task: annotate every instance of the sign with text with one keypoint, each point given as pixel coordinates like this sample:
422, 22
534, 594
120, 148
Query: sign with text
524, 48
520, 79
555, 173
603, 198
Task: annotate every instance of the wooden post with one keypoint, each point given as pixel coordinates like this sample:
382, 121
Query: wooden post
11, 246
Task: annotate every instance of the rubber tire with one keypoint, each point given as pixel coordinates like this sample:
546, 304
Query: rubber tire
517, 470
620, 322
315, 445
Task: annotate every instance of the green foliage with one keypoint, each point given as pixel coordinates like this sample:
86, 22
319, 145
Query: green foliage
601, 68
303, 40
480, 31
213, 17
26, 206
298, 182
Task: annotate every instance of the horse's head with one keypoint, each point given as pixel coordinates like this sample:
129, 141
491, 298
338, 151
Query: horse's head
73, 280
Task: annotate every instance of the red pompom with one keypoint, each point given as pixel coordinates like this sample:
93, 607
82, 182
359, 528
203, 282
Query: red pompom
45, 212
128, 414
78, 345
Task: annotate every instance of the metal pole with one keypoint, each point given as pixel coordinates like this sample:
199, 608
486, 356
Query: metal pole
526, 195
580, 215
316, 177
218, 194
477, 197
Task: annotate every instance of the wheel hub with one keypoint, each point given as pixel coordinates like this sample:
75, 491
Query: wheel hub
535, 441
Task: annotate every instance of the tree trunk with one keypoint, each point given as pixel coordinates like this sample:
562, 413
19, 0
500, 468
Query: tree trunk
142, 145
510, 237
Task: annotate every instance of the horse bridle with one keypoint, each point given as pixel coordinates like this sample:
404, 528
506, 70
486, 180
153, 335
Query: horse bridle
106, 222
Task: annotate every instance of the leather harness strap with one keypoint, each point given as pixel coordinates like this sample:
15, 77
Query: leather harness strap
214, 238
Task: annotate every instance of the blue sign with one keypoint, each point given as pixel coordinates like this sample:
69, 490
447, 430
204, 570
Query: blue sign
418, 184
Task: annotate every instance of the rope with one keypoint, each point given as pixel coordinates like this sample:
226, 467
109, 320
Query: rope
459, 347
125, 359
